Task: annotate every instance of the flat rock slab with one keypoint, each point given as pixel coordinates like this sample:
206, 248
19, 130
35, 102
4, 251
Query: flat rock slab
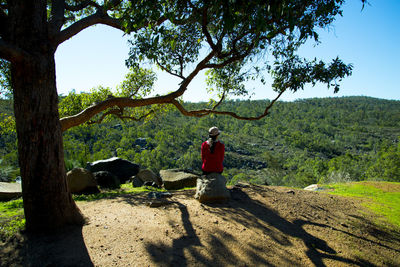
10, 190
173, 179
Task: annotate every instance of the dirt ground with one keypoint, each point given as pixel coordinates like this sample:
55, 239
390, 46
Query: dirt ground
259, 226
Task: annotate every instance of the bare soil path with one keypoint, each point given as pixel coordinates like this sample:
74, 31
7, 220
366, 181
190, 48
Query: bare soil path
259, 226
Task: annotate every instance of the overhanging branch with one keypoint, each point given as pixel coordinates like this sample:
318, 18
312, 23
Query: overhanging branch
205, 112
97, 18
170, 72
120, 102
120, 114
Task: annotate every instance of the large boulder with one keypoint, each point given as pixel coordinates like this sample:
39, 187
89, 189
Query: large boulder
9, 191
106, 179
81, 181
136, 182
123, 169
212, 189
149, 176
176, 179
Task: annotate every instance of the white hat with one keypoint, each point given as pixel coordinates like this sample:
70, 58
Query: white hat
213, 131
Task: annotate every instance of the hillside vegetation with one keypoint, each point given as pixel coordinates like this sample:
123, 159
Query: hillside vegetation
299, 143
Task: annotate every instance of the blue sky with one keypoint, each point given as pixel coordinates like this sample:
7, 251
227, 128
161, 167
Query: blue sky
369, 39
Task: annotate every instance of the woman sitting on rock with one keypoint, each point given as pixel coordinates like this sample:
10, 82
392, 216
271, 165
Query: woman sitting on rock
212, 153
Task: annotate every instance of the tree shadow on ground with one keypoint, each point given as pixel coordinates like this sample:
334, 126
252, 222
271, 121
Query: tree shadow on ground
64, 248
317, 249
250, 214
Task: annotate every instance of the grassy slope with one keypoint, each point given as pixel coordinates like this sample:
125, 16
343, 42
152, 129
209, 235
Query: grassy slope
382, 198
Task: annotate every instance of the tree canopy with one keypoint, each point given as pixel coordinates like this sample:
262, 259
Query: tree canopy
234, 41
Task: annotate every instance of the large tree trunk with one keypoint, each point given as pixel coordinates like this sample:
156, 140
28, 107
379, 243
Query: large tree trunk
48, 204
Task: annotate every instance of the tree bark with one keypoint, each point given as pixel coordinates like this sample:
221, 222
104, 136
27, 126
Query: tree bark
48, 204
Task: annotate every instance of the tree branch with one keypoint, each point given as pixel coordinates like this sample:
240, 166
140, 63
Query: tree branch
100, 17
137, 119
119, 112
82, 5
206, 32
97, 18
56, 17
168, 71
120, 102
110, 112
220, 101
205, 112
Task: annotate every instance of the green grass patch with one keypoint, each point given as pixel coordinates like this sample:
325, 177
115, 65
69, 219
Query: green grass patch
383, 198
11, 218
11, 208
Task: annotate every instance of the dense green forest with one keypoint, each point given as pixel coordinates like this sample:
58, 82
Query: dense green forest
297, 144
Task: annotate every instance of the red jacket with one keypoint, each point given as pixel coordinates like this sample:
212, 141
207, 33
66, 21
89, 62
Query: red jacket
212, 162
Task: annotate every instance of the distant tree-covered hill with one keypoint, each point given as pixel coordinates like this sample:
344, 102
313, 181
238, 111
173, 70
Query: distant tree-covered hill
298, 143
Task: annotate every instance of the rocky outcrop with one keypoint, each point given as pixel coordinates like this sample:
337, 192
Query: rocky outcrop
81, 181
136, 182
123, 169
9, 191
149, 176
212, 189
106, 179
177, 179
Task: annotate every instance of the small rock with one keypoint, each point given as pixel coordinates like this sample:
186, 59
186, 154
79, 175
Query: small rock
159, 195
